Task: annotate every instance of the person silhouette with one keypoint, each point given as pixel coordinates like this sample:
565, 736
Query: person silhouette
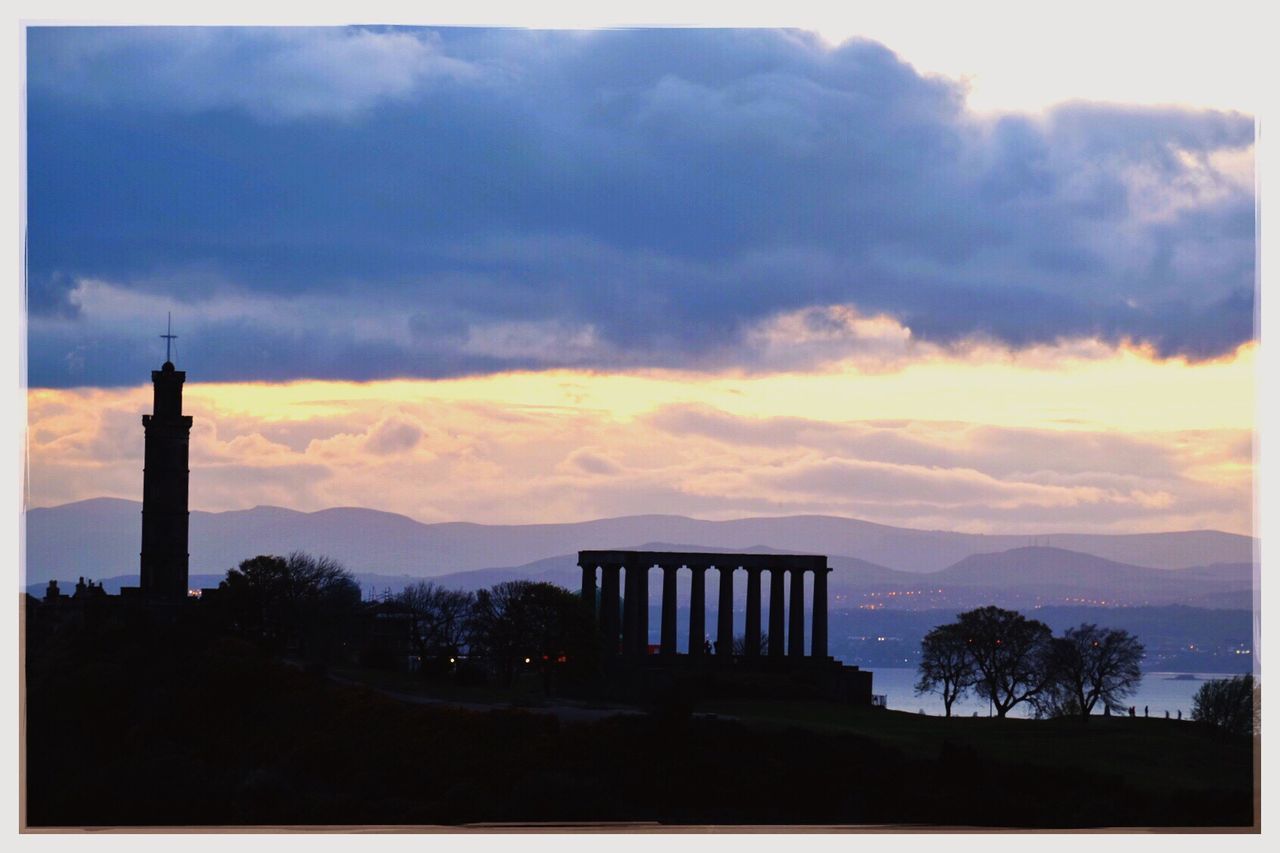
706, 647
1179, 713
1133, 712
1144, 710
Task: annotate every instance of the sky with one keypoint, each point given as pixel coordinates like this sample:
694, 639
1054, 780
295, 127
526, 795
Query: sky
503, 275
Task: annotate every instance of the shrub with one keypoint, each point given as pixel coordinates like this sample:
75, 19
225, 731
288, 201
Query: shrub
1226, 703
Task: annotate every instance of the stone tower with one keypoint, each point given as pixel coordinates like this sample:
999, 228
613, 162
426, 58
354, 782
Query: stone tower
164, 489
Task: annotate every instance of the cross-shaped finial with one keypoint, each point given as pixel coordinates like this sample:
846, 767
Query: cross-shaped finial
168, 339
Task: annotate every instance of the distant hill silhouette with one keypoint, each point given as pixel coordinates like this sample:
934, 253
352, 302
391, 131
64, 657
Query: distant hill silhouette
563, 570
1020, 577
100, 538
1032, 575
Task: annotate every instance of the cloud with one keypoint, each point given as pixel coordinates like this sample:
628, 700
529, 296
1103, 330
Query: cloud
416, 451
394, 435
273, 74
370, 202
584, 460
875, 481
998, 451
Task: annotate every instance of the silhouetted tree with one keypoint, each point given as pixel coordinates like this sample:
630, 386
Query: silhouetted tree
1227, 703
945, 664
546, 625
1009, 653
312, 600
1088, 665
439, 616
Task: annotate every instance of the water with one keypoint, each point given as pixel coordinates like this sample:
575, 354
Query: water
1159, 691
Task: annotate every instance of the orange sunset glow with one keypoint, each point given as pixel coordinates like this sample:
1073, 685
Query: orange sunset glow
1078, 437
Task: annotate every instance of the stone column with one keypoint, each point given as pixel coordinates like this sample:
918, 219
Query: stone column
724, 618
819, 649
777, 613
795, 638
629, 609
669, 610
753, 614
697, 610
642, 611
589, 587
609, 608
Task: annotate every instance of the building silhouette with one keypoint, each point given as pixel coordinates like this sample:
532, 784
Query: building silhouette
165, 480
772, 663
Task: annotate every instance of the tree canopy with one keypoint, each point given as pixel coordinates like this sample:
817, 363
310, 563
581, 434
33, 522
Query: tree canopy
1008, 652
523, 623
440, 616
1008, 659
296, 599
1088, 665
1227, 703
945, 664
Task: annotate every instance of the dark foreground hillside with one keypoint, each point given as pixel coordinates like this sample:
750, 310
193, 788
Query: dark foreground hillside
147, 727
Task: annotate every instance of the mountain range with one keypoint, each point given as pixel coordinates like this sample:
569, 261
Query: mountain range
876, 566
1019, 577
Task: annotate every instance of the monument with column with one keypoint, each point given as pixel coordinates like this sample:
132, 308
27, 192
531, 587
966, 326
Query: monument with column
166, 477
621, 605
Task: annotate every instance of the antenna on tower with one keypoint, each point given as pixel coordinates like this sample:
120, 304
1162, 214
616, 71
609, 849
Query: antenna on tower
168, 339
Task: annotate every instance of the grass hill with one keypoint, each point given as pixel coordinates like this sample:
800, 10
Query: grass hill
138, 729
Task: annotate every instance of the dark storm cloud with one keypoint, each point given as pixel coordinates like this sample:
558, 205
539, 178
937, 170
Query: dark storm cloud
498, 199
